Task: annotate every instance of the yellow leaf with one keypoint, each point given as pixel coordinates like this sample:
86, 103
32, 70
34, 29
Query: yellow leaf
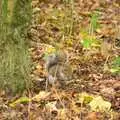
51, 106
62, 114
50, 49
41, 96
69, 42
98, 104
39, 67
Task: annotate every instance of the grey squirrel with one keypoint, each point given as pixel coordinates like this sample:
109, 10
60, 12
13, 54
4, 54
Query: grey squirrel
58, 68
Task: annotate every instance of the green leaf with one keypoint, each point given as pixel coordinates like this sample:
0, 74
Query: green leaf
86, 43
94, 21
89, 42
20, 100
115, 65
115, 70
85, 98
116, 62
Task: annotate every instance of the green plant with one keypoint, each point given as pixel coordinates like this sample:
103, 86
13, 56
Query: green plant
94, 25
115, 66
89, 40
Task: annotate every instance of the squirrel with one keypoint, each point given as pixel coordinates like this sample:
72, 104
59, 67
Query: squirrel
58, 67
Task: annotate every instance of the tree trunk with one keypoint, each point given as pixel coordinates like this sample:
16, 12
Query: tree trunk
15, 59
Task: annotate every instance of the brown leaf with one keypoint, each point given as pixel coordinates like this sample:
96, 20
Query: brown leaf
91, 116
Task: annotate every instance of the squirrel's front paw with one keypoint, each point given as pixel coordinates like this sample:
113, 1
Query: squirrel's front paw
51, 79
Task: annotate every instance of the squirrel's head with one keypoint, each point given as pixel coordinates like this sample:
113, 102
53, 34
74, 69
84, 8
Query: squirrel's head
52, 59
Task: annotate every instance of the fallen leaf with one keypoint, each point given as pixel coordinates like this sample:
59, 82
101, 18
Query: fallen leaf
91, 116
20, 100
98, 104
41, 96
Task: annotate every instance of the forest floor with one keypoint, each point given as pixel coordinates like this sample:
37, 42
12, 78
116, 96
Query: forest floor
89, 30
